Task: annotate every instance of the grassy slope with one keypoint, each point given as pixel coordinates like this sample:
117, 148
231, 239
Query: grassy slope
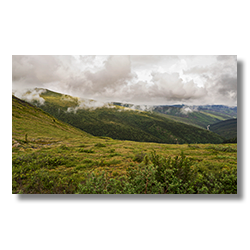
125, 124
57, 155
227, 129
200, 118
37, 124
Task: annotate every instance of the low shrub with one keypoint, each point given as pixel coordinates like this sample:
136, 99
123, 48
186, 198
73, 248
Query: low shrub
139, 157
159, 175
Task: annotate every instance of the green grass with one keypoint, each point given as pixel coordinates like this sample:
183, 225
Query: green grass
58, 158
67, 167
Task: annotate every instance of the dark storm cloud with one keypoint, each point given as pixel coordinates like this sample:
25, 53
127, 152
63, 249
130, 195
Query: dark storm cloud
136, 79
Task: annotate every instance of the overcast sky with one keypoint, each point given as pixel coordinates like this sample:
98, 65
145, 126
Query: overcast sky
191, 80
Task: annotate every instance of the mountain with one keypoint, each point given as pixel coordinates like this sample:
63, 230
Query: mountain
121, 123
226, 129
30, 123
219, 109
52, 157
200, 116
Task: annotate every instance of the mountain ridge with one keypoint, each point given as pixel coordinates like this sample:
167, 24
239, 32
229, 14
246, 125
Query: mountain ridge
119, 123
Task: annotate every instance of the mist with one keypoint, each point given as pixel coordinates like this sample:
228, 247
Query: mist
188, 109
30, 95
89, 104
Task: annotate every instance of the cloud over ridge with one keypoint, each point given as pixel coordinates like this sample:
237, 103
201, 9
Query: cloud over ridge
149, 80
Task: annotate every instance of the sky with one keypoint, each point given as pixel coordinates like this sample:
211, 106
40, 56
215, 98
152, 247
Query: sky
137, 79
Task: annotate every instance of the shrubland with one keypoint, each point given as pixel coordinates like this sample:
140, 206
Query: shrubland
83, 165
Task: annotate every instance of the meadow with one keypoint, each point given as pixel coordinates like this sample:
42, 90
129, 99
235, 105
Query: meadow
88, 164
53, 157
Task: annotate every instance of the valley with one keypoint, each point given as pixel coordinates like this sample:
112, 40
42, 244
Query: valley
120, 122
115, 151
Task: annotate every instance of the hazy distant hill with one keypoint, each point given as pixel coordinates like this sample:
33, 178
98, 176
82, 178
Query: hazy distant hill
121, 123
227, 129
200, 116
219, 109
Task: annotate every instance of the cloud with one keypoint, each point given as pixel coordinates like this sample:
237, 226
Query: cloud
30, 95
137, 107
226, 58
144, 80
173, 88
115, 74
219, 78
188, 109
89, 104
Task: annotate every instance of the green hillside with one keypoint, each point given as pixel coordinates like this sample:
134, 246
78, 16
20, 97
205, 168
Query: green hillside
202, 116
52, 157
30, 123
219, 110
226, 129
123, 124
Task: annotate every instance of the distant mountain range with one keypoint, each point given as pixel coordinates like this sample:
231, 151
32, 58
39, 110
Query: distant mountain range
201, 116
164, 124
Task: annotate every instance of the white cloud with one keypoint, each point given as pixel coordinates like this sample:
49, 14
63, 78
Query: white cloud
138, 79
188, 109
30, 95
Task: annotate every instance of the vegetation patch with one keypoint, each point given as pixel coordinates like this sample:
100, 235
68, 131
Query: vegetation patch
222, 149
139, 157
114, 154
193, 146
158, 175
100, 145
64, 147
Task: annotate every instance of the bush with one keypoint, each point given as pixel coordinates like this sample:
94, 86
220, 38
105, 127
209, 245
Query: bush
159, 175
139, 157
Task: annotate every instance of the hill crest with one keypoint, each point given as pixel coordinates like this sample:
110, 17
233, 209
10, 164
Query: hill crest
126, 125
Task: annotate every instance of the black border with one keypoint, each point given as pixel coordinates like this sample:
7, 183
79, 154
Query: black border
241, 198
